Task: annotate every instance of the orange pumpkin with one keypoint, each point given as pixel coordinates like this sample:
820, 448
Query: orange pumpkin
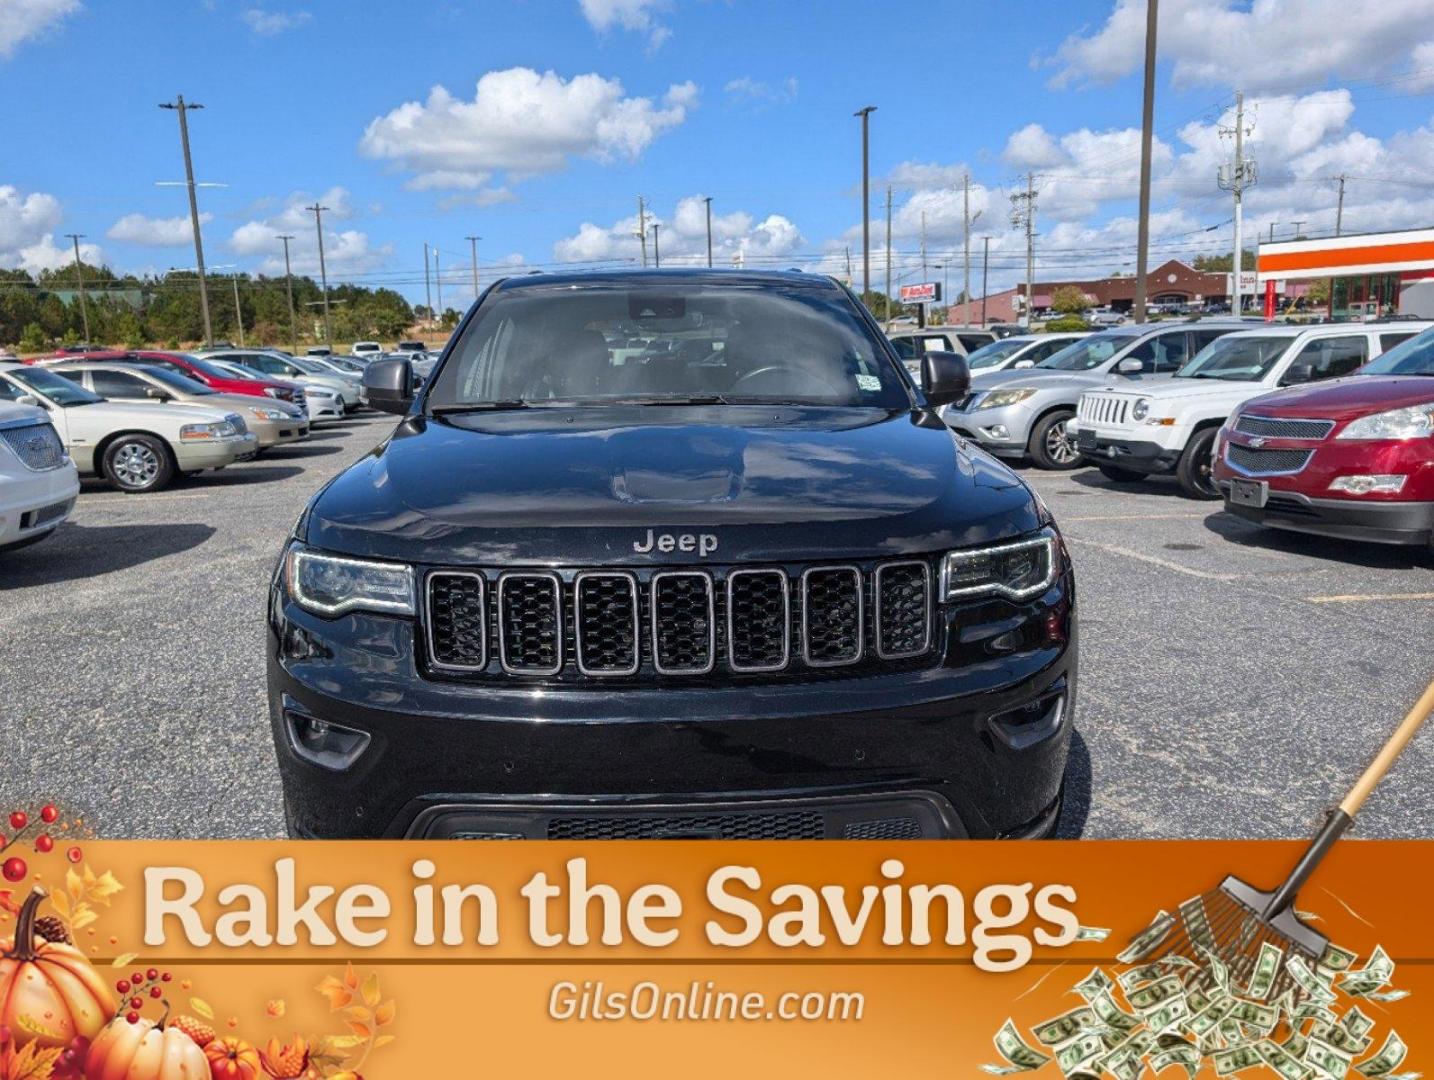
232, 1059
49, 993
144, 1051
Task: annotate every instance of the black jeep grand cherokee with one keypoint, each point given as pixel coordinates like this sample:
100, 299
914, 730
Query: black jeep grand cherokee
672, 554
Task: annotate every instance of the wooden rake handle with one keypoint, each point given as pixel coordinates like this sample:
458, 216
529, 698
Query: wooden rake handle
1386, 757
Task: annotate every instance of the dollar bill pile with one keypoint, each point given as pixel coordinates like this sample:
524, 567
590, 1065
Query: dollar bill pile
1194, 1012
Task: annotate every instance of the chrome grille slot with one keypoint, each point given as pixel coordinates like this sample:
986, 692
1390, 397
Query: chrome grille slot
530, 623
1272, 427
457, 621
903, 609
833, 616
38, 446
605, 623
759, 623
684, 623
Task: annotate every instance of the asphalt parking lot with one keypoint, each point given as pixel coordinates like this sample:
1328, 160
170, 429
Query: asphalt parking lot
1234, 681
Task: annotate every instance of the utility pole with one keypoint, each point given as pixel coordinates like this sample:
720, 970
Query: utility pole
473, 243
1272, 232
427, 286
1147, 123
656, 248
183, 107
708, 201
238, 312
848, 265
1298, 222
965, 250
80, 280
318, 212
985, 263
289, 293
865, 114
1023, 214
1235, 177
1339, 207
923, 246
641, 233
438, 282
888, 258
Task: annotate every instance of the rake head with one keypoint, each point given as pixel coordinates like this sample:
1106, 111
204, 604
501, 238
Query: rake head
1231, 924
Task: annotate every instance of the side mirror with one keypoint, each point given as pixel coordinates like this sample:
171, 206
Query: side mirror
27, 399
945, 377
155, 393
390, 385
1298, 373
1024, 364
1130, 366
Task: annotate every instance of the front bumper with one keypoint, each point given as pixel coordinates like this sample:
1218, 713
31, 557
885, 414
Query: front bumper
31, 505
215, 453
278, 432
1348, 519
973, 744
1137, 455
1004, 432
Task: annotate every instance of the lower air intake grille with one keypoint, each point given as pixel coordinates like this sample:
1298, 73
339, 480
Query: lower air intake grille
789, 825
1266, 462
892, 828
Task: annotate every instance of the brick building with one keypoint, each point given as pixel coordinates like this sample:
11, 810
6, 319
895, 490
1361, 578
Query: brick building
1172, 282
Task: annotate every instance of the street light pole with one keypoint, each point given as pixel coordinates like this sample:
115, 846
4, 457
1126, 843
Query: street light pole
289, 293
182, 107
708, 201
656, 248
80, 280
888, 258
473, 241
1147, 122
865, 114
985, 265
318, 212
238, 312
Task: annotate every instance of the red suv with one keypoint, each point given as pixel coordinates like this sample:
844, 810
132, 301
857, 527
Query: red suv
1352, 457
217, 378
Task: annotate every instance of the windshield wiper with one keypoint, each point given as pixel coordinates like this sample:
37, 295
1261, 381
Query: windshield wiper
480, 406
694, 399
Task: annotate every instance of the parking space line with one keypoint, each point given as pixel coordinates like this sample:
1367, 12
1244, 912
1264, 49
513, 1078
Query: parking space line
1360, 598
1154, 560
1064, 519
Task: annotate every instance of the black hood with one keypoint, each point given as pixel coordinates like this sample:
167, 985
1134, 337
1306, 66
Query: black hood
582, 486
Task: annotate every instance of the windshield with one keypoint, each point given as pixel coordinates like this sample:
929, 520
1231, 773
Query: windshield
308, 366
1088, 352
210, 368
1237, 359
991, 355
1413, 357
236, 371
657, 342
57, 388
183, 383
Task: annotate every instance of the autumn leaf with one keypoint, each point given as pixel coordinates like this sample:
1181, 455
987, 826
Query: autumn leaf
371, 993
202, 1007
123, 960
74, 885
61, 903
33, 1063
383, 1040
359, 1013
337, 993
276, 1008
351, 979
336, 1043
102, 888
384, 1014
84, 915
363, 1031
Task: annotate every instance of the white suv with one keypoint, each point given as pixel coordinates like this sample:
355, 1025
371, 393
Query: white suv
38, 481
1129, 432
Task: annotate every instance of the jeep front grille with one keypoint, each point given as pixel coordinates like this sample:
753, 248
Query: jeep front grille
1253, 462
1102, 408
741, 621
1273, 427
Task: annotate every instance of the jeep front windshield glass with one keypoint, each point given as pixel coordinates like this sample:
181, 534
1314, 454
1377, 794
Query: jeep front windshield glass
1087, 353
1413, 357
1237, 359
668, 342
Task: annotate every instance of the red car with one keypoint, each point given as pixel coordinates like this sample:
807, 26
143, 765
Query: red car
1351, 457
198, 368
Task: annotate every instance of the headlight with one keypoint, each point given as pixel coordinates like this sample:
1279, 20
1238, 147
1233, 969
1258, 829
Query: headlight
999, 399
329, 585
1017, 570
199, 432
269, 414
1140, 410
1414, 422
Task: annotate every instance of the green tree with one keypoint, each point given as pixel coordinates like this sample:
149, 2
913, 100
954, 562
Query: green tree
33, 339
1220, 264
1069, 300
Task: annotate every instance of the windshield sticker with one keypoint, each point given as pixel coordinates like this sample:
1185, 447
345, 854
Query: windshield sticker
868, 382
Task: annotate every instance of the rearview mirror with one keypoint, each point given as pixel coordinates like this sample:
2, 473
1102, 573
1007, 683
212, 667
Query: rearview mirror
945, 377
390, 385
1130, 366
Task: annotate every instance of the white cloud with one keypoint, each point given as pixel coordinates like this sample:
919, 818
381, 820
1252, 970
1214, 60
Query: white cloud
46, 254
639, 16
346, 251
521, 124
1267, 44
27, 232
269, 23
155, 232
21, 20
758, 94
683, 237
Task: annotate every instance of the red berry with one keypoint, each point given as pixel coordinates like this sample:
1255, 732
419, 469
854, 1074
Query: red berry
155, 991
48, 814
132, 1017
122, 986
19, 819
4, 840
14, 869
165, 977
137, 978
136, 1003
74, 854
152, 974
68, 1057
43, 843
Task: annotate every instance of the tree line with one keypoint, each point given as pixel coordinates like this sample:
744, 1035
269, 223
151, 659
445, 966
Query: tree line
41, 311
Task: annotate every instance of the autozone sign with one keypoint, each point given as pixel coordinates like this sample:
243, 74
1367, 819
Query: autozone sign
926, 293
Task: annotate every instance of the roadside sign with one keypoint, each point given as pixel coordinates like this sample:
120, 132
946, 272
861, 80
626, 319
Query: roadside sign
926, 293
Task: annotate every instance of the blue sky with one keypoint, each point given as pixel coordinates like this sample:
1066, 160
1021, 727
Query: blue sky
585, 104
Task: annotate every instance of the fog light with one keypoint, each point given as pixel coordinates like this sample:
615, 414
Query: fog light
329, 746
1371, 484
997, 431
